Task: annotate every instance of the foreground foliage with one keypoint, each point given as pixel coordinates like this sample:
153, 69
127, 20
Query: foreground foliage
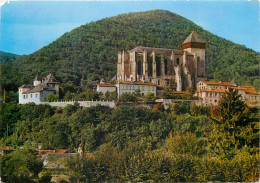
21, 166
136, 144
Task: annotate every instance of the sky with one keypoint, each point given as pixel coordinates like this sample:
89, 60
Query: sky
27, 26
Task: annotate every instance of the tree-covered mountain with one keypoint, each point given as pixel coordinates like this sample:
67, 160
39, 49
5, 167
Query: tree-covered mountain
89, 52
5, 57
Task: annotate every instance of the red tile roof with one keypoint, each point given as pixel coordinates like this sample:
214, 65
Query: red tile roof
137, 83
246, 86
219, 83
252, 91
161, 86
43, 152
248, 89
106, 85
7, 148
216, 90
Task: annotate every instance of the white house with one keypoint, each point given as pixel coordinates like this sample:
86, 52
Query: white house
106, 88
131, 87
39, 91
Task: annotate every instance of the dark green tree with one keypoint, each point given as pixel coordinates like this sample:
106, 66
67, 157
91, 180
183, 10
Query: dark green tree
52, 98
149, 98
233, 128
80, 168
21, 166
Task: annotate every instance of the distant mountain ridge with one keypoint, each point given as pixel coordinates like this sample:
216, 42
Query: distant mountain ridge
89, 52
5, 57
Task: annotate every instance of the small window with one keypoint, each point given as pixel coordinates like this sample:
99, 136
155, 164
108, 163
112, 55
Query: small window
31, 95
178, 61
216, 100
23, 96
36, 95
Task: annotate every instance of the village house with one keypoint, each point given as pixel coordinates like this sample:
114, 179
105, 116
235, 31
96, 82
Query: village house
39, 91
209, 85
103, 87
131, 87
211, 91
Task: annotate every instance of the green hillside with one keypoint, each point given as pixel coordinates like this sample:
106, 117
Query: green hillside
5, 57
89, 52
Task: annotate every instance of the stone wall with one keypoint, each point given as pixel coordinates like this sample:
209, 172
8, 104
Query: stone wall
81, 103
168, 102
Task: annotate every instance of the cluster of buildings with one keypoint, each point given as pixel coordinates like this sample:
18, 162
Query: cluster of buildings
150, 70
39, 91
210, 92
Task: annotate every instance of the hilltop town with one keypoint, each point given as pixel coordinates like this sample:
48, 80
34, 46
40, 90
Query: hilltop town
150, 71
159, 116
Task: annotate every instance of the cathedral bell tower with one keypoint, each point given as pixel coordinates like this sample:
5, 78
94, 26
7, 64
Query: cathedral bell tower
195, 45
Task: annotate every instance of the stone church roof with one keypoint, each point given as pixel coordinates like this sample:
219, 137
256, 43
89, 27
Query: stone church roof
194, 37
158, 50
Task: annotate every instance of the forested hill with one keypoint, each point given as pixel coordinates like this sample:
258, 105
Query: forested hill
5, 57
89, 52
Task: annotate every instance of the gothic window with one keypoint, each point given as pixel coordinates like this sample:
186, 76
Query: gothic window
150, 66
139, 68
165, 66
140, 64
158, 65
178, 61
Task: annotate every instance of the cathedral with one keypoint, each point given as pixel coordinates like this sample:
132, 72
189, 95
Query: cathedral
175, 69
